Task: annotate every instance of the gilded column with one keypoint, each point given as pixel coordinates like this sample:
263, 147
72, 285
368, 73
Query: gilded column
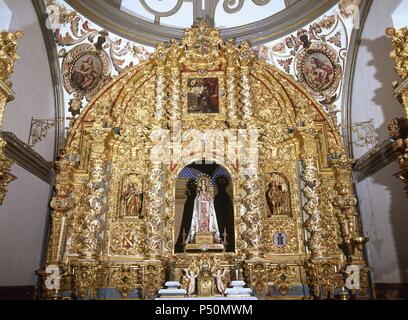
346, 202
246, 58
8, 56
311, 191
155, 194
174, 83
232, 80
399, 127
250, 213
96, 191
61, 204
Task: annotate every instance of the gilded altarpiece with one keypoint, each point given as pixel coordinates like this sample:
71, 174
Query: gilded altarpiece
113, 220
8, 56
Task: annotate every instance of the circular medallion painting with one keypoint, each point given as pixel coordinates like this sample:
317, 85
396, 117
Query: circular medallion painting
86, 72
318, 69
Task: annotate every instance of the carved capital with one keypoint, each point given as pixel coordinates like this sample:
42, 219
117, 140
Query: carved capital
8, 53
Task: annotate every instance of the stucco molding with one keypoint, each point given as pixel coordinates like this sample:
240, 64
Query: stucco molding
138, 30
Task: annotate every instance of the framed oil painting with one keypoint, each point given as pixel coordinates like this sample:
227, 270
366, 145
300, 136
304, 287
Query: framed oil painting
203, 95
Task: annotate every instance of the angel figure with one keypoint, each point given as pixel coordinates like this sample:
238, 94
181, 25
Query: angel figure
191, 275
219, 276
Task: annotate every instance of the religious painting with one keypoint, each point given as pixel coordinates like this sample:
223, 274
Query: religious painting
86, 72
277, 196
203, 95
131, 197
318, 69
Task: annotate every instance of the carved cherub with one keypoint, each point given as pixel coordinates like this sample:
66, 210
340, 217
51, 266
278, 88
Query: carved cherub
191, 275
219, 280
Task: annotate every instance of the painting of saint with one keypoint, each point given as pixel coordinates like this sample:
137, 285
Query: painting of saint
133, 200
318, 71
203, 95
277, 196
86, 72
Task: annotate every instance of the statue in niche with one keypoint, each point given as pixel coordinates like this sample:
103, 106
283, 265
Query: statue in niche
277, 196
204, 217
133, 200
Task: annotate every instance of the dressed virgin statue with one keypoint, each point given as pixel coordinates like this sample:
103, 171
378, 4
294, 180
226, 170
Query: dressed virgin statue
204, 217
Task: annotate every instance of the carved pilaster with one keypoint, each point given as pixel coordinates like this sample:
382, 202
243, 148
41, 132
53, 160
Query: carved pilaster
346, 202
154, 221
5, 171
323, 278
8, 56
251, 215
61, 203
399, 127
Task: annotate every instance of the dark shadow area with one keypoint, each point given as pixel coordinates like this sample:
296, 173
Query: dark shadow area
398, 215
223, 203
225, 212
191, 192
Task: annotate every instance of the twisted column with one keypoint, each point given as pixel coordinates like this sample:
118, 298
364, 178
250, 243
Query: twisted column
96, 192
311, 192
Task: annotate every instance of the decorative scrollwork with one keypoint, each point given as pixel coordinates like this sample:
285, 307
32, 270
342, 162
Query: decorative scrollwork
160, 14
234, 6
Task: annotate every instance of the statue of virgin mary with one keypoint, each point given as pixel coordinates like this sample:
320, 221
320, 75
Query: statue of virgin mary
204, 217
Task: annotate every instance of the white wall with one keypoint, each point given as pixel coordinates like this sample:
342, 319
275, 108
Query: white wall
22, 224
383, 202
23, 214
32, 82
5, 16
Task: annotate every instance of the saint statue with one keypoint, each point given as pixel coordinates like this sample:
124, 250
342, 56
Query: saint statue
204, 217
133, 200
273, 196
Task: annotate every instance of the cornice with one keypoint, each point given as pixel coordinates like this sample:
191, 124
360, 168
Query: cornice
27, 158
374, 160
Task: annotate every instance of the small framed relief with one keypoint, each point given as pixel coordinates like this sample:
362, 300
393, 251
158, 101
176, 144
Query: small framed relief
280, 239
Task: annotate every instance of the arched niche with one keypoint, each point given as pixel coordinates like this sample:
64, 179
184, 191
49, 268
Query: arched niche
222, 193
